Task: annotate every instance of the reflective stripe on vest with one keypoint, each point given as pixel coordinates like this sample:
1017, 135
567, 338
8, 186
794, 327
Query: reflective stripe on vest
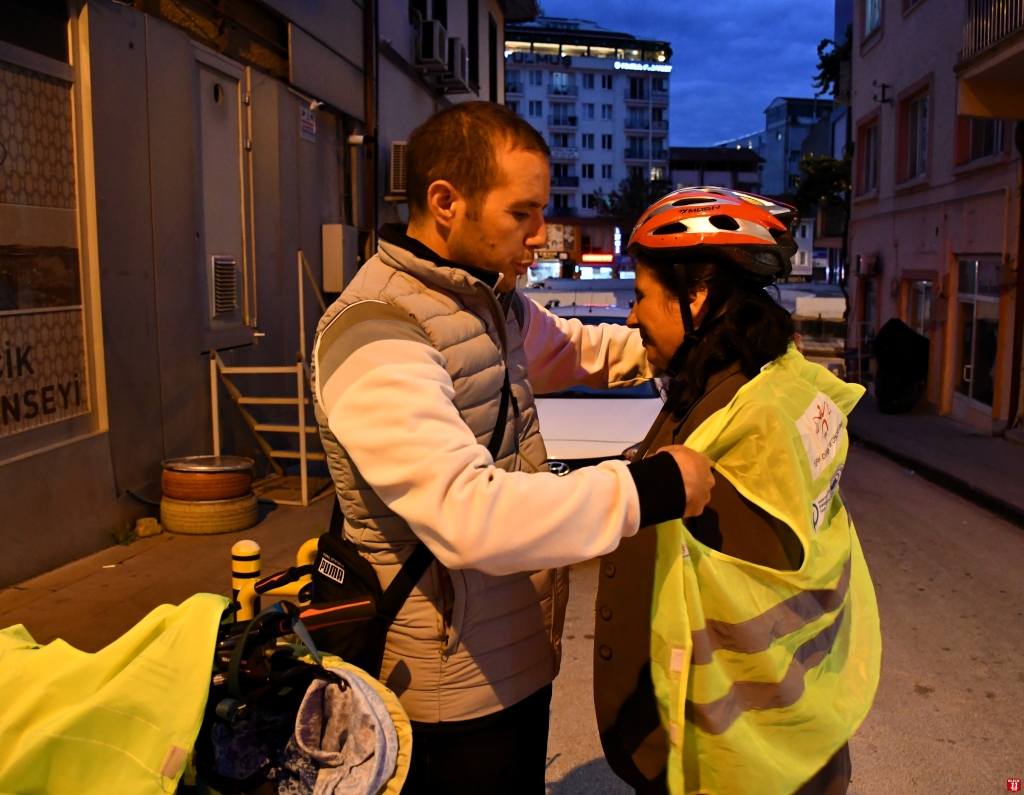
762, 675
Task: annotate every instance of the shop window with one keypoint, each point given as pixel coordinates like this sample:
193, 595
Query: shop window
977, 328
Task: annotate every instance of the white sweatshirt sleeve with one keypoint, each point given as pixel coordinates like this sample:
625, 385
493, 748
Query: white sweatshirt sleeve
390, 404
563, 352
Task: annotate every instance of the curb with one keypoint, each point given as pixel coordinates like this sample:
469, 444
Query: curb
1004, 510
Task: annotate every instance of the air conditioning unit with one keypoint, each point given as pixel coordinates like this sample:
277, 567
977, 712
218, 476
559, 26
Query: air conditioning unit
399, 170
456, 79
432, 46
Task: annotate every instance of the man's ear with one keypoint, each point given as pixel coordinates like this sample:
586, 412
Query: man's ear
444, 202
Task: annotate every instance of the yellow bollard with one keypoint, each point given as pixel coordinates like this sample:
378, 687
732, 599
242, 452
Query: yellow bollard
245, 568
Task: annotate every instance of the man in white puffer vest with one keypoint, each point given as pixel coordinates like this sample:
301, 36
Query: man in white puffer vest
425, 370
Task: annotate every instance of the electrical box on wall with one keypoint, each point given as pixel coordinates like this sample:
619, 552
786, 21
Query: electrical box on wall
339, 255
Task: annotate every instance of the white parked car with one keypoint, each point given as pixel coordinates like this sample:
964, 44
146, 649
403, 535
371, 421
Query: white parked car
582, 426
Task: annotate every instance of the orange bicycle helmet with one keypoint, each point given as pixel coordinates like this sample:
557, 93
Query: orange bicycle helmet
749, 231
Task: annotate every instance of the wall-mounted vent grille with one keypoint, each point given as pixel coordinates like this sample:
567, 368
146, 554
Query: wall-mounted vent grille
399, 171
225, 286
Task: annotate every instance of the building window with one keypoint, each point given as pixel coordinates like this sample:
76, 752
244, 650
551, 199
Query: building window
794, 182
536, 77
513, 106
637, 147
563, 114
635, 172
587, 140
914, 138
562, 201
440, 9
658, 149
979, 138
536, 107
872, 16
563, 140
587, 170
606, 81
659, 84
588, 80
588, 110
606, 142
606, 111
606, 171
563, 83
867, 159
657, 173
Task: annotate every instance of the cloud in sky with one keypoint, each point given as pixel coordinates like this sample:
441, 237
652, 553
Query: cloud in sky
730, 57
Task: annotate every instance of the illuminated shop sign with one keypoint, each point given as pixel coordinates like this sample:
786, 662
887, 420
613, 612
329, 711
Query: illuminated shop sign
598, 258
631, 66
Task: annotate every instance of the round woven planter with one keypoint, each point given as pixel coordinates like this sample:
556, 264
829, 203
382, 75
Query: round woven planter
200, 486
208, 517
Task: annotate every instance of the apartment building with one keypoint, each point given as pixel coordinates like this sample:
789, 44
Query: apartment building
169, 173
935, 232
601, 100
725, 167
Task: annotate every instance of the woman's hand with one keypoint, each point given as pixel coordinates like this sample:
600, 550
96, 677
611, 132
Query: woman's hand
697, 477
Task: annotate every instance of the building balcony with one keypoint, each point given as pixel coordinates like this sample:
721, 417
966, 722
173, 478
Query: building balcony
561, 212
638, 124
636, 154
659, 154
563, 91
660, 97
561, 121
631, 95
565, 153
991, 68
513, 88
561, 181
659, 125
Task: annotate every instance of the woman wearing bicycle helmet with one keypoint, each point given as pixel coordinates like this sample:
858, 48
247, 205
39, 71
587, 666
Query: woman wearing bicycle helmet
737, 653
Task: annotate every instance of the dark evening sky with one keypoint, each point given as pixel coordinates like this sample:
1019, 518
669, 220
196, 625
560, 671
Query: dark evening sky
730, 57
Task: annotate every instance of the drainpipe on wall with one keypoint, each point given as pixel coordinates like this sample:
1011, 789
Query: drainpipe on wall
1018, 310
371, 147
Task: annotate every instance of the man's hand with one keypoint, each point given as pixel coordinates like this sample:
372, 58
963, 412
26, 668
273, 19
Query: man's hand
697, 477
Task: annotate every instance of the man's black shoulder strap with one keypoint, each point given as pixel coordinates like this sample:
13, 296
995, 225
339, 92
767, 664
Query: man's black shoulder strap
398, 591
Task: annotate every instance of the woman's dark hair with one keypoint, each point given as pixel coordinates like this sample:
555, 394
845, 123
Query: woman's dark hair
753, 331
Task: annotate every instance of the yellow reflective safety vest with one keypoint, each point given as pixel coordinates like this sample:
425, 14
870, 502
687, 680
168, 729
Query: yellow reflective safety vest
122, 720
763, 675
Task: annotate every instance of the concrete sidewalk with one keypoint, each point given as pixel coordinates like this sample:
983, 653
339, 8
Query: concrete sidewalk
987, 470
95, 600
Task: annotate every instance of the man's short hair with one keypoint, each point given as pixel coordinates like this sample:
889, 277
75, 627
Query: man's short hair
460, 145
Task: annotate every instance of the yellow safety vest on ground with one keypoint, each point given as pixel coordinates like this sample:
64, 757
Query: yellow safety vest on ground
122, 720
763, 675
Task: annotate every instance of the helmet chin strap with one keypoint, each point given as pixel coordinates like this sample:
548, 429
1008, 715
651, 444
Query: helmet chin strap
690, 337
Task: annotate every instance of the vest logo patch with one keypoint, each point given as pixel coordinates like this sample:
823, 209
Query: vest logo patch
331, 569
821, 430
820, 506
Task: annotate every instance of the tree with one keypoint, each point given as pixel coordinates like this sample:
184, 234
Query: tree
824, 181
625, 206
830, 63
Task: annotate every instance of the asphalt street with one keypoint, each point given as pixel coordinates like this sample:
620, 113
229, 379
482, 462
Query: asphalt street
949, 713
